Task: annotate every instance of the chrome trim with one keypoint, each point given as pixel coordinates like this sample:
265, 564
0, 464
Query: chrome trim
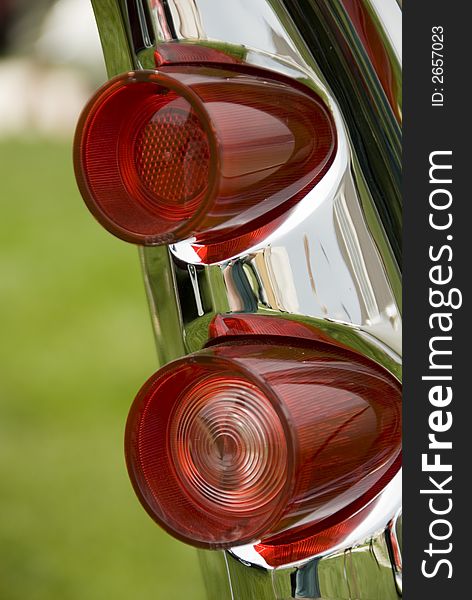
331, 265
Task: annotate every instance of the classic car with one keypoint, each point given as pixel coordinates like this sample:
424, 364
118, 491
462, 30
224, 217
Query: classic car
251, 150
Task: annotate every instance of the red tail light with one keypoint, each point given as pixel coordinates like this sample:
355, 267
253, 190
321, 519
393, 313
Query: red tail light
239, 442
203, 152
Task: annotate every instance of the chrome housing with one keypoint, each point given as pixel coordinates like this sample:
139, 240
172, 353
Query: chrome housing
333, 263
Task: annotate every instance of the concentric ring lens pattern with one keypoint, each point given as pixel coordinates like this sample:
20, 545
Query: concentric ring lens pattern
228, 445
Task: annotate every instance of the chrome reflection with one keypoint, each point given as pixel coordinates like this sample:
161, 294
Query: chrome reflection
393, 535
362, 571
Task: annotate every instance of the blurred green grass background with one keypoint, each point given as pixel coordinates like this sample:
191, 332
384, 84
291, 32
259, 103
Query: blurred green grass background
76, 345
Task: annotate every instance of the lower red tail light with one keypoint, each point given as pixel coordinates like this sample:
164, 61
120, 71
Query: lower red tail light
242, 441
200, 152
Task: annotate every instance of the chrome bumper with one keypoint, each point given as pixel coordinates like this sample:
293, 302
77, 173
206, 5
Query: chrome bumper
333, 263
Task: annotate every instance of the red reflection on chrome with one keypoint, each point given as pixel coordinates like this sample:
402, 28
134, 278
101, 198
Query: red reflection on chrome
243, 440
172, 53
283, 551
207, 152
368, 32
234, 324
213, 252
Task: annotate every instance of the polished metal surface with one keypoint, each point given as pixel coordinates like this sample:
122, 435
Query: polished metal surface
333, 263
363, 571
352, 51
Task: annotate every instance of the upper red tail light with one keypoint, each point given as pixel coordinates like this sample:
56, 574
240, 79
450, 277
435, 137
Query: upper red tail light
202, 152
239, 442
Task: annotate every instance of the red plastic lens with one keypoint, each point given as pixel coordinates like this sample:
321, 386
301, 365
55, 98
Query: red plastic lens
142, 158
240, 442
207, 452
218, 440
172, 155
209, 153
